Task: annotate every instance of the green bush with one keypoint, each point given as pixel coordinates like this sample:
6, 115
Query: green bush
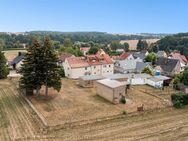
179, 99
123, 100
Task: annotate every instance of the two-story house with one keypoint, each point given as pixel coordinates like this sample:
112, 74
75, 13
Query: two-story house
98, 64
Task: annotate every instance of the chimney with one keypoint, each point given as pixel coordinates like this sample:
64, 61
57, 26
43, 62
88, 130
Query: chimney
19, 53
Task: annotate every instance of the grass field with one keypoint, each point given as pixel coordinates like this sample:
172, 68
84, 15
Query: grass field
19, 122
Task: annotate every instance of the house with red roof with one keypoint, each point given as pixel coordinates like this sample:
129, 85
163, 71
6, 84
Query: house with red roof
98, 64
62, 58
183, 60
123, 56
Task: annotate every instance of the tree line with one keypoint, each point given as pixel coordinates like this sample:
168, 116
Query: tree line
8, 41
177, 42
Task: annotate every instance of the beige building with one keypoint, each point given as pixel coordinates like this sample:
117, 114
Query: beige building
98, 64
111, 90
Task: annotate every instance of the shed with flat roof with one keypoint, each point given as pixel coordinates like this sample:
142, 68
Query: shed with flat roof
111, 90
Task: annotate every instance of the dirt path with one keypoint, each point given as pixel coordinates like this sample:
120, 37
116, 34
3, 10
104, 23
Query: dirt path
162, 125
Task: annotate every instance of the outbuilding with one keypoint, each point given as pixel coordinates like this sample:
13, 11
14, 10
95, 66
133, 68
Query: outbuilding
111, 90
154, 82
88, 81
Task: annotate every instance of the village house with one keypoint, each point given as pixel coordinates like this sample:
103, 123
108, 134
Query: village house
63, 56
111, 90
123, 56
18, 61
183, 60
126, 66
140, 55
140, 66
84, 50
161, 54
125, 63
168, 67
98, 64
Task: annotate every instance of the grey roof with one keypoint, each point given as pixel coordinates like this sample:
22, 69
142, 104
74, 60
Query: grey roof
140, 66
126, 64
111, 83
160, 53
18, 59
167, 64
140, 55
92, 77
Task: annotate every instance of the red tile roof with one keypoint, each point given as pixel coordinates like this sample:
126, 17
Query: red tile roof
123, 56
181, 58
77, 62
63, 56
90, 60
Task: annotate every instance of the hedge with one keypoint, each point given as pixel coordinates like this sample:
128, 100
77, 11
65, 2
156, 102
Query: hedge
179, 99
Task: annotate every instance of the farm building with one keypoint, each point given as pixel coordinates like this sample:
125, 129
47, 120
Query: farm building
18, 61
88, 81
111, 90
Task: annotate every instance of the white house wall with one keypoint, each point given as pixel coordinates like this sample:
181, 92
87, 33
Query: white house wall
137, 81
107, 69
154, 84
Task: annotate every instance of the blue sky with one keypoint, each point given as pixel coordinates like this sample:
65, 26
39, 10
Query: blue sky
114, 16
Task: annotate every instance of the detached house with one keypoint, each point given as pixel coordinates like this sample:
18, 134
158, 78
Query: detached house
183, 60
161, 54
98, 64
63, 56
18, 61
123, 56
140, 55
167, 66
125, 63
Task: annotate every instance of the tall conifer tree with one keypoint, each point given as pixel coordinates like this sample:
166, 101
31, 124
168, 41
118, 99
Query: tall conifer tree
3, 67
30, 68
52, 70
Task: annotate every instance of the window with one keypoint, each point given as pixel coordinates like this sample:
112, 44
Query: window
94, 67
109, 66
104, 66
85, 68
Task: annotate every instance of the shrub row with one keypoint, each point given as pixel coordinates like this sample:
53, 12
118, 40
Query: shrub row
179, 99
